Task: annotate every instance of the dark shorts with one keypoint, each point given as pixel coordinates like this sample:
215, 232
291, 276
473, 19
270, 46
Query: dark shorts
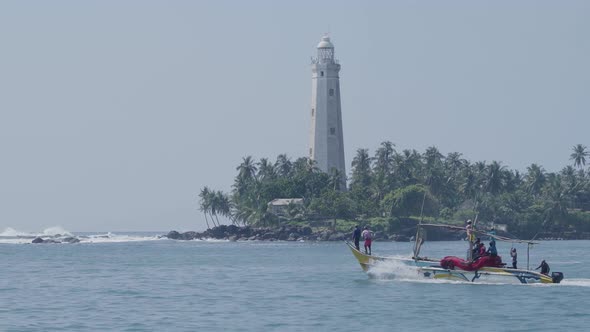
368, 242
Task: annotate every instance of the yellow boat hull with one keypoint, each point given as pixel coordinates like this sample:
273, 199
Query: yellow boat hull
430, 268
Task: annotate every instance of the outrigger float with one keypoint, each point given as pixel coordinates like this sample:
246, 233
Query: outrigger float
486, 268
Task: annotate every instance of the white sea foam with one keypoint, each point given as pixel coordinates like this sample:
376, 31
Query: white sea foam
399, 271
11, 232
211, 240
51, 231
114, 238
575, 282
56, 230
393, 269
59, 234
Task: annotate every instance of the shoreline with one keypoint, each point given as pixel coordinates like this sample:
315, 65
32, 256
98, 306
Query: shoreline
307, 233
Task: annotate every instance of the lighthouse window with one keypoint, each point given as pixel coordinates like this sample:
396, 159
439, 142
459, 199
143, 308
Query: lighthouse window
332, 131
322, 73
331, 92
312, 111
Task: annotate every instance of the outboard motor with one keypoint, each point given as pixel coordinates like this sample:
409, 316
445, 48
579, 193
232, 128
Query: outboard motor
557, 277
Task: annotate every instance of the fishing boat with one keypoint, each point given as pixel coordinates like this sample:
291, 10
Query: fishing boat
485, 268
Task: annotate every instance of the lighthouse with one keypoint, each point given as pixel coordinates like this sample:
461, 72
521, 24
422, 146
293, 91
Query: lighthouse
326, 135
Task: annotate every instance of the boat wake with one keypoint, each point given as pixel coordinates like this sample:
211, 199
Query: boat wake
395, 270
60, 235
399, 271
575, 282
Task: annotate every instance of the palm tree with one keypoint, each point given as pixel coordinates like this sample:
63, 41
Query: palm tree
361, 169
556, 200
283, 165
247, 169
304, 166
383, 170
384, 158
569, 175
454, 164
433, 171
579, 155
336, 178
468, 186
535, 179
432, 157
266, 170
223, 205
205, 203
408, 164
494, 180
512, 180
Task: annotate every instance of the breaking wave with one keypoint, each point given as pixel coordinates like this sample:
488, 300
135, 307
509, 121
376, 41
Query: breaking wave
58, 234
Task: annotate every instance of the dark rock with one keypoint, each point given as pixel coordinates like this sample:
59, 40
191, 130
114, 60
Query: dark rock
233, 229
283, 236
189, 235
268, 236
173, 235
71, 240
38, 240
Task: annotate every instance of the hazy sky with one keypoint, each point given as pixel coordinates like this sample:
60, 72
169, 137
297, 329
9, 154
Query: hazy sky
113, 114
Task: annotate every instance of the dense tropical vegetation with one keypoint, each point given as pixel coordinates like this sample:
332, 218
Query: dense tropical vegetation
391, 186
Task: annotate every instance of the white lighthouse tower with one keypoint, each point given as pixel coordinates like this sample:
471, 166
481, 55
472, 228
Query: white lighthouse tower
326, 138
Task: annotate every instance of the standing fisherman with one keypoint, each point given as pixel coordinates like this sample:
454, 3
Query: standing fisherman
356, 237
514, 255
368, 236
544, 268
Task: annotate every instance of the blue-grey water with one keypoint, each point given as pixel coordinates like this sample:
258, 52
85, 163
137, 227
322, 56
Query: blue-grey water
141, 283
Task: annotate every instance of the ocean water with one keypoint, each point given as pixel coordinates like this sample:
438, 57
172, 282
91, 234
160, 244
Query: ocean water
141, 282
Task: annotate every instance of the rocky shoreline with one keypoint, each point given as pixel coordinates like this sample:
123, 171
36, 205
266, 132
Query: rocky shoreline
296, 233
306, 233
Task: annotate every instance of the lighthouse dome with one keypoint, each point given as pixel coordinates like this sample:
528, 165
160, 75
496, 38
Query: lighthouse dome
325, 43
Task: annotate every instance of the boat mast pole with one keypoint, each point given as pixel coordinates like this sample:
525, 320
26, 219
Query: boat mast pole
528, 247
417, 238
470, 252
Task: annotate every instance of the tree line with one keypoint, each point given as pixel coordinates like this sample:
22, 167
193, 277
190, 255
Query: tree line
393, 184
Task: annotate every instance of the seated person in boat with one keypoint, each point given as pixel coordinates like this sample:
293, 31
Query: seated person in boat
475, 251
492, 251
482, 250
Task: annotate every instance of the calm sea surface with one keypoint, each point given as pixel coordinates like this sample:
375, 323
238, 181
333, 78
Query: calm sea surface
141, 283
